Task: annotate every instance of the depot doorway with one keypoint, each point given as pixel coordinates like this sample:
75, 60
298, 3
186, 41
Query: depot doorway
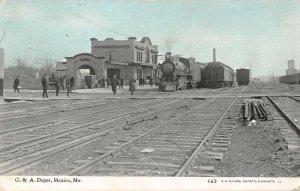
85, 76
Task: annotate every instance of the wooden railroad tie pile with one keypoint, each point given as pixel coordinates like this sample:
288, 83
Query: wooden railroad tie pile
254, 110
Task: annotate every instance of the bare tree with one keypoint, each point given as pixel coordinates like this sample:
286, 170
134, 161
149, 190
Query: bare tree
20, 68
47, 67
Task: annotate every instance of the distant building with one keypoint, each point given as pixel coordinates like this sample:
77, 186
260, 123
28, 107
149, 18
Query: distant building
127, 57
109, 57
291, 68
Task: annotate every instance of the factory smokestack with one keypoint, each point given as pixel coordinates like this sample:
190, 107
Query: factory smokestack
214, 55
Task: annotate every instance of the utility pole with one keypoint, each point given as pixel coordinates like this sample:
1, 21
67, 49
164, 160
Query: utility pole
1, 73
1, 69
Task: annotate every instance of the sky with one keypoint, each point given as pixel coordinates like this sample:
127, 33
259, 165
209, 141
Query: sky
258, 34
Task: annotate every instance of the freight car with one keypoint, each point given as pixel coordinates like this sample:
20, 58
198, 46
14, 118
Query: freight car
218, 75
290, 79
242, 76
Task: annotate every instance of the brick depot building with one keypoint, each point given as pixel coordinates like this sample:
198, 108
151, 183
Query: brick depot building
124, 58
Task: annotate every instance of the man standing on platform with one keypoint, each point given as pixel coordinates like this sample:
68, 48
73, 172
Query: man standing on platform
57, 85
16, 84
121, 83
114, 84
45, 86
68, 86
132, 87
72, 81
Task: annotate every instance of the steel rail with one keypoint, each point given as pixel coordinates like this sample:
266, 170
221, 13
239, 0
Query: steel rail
49, 110
188, 162
36, 107
293, 98
243, 89
63, 120
232, 89
294, 125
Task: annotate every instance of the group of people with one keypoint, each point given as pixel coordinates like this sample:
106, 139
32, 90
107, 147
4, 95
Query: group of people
115, 82
59, 84
62, 83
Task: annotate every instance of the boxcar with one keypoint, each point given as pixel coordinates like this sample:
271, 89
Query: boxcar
218, 75
242, 76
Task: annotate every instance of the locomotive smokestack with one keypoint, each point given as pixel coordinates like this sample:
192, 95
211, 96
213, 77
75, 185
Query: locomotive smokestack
214, 55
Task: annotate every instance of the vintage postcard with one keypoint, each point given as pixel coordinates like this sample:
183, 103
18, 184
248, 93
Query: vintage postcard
149, 95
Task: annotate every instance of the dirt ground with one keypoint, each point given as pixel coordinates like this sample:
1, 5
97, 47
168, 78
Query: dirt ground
257, 151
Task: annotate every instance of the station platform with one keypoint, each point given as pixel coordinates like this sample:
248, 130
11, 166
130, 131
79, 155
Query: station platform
83, 94
142, 92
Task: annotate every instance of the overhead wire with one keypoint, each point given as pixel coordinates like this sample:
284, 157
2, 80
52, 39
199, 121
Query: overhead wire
2, 36
79, 15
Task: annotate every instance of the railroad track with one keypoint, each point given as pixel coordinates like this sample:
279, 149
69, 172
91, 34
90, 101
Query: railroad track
30, 105
244, 89
167, 149
53, 123
20, 154
25, 112
237, 89
286, 113
220, 91
215, 148
271, 87
289, 108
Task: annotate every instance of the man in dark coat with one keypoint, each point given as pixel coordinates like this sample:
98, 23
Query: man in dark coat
121, 83
151, 82
45, 86
114, 84
143, 82
107, 82
132, 87
57, 85
71, 83
68, 86
16, 84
